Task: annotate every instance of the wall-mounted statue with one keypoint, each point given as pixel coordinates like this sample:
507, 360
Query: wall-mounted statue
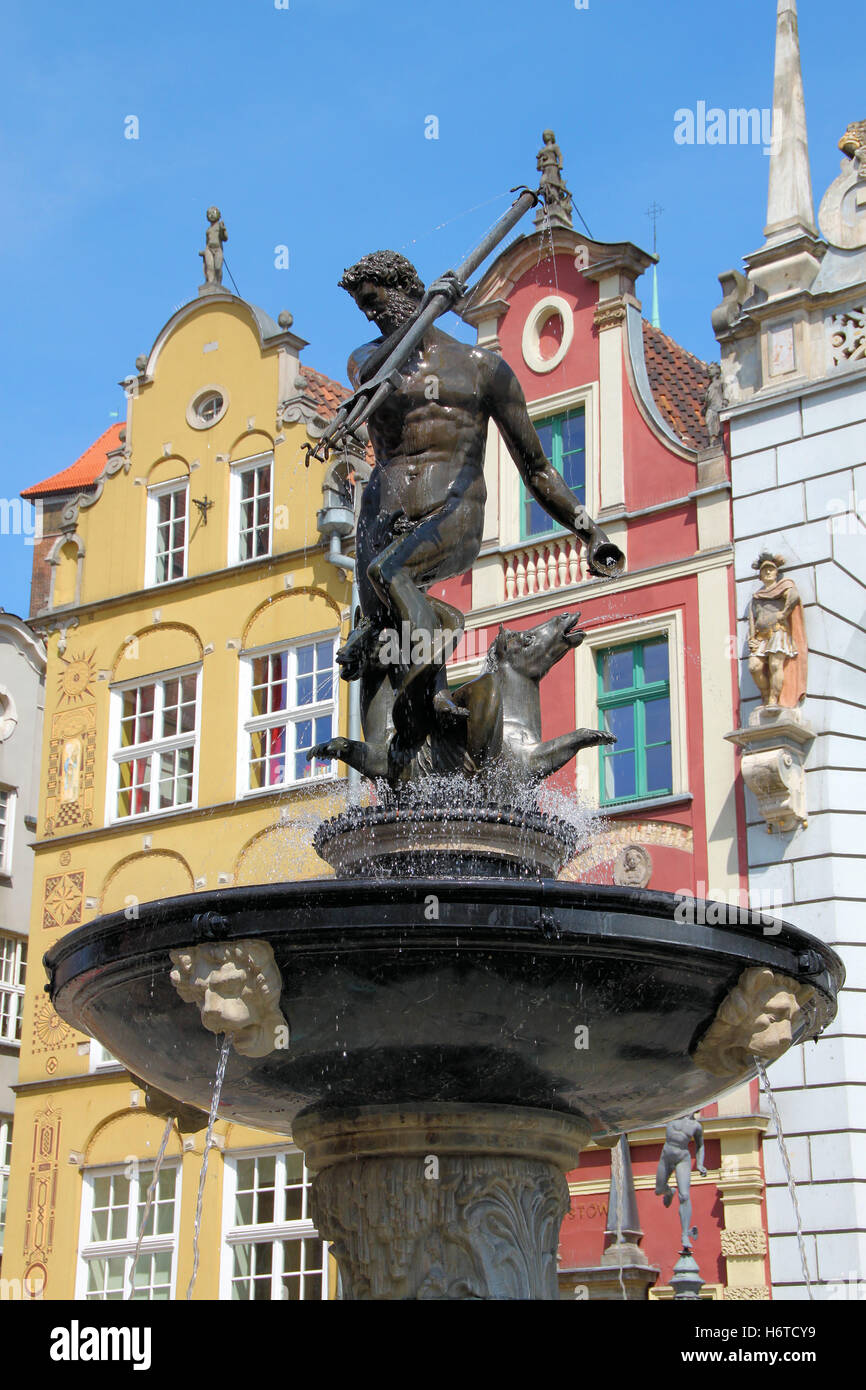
212, 255
676, 1158
778, 654
715, 400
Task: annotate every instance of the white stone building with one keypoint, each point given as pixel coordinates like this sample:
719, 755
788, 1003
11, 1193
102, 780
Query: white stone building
792, 332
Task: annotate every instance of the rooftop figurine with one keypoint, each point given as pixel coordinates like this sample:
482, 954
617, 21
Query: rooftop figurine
212, 255
553, 189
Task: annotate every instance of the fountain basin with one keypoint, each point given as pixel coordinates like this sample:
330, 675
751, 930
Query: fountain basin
583, 1000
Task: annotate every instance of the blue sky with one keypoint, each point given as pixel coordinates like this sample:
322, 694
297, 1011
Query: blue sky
306, 125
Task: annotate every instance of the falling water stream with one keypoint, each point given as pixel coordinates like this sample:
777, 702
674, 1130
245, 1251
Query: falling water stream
214, 1107
786, 1160
151, 1193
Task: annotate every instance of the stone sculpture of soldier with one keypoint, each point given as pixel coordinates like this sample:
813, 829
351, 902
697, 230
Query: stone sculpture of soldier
777, 638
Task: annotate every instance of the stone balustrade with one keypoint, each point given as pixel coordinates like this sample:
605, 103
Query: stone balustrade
534, 568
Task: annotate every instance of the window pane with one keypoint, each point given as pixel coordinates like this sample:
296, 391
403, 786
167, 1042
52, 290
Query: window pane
545, 434
658, 721
655, 661
573, 433
305, 660
617, 669
620, 723
658, 765
619, 776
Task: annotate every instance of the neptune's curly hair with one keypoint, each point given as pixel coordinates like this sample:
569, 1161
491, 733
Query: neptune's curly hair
386, 268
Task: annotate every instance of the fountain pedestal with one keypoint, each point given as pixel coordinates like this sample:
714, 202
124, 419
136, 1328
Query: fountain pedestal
442, 1202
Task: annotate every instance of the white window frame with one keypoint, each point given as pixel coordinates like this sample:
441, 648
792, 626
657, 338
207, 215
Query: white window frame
15, 992
248, 723
669, 625
154, 494
585, 396
264, 1233
152, 749
100, 1059
238, 469
125, 1248
10, 797
5, 1169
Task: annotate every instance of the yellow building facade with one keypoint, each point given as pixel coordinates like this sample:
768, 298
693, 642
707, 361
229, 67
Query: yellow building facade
192, 616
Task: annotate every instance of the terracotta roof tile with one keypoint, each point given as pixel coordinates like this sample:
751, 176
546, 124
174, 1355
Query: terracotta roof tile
327, 394
679, 381
85, 471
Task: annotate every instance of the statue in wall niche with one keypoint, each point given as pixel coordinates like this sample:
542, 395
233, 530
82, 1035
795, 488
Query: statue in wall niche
715, 400
212, 255
676, 1158
757, 1019
553, 189
778, 653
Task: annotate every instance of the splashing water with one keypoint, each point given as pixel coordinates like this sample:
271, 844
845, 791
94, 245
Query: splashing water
151, 1193
214, 1107
786, 1160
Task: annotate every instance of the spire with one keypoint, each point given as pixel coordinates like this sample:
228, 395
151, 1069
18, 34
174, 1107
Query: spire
656, 317
654, 212
789, 205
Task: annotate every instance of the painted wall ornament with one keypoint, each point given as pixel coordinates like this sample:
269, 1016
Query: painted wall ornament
778, 654
236, 986
676, 1158
759, 1018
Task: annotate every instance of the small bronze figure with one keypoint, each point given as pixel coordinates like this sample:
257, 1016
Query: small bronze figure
676, 1158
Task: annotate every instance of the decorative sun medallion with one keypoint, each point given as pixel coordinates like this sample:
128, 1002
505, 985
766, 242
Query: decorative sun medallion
75, 681
50, 1028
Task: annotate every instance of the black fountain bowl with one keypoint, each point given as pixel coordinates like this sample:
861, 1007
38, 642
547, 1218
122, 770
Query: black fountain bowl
581, 999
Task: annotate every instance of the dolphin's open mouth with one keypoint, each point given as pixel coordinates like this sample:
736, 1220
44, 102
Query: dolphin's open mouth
571, 631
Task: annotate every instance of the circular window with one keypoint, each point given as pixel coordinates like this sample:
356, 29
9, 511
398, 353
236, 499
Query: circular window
207, 407
547, 334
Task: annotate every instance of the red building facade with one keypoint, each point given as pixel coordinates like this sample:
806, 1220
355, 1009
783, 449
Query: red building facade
619, 408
